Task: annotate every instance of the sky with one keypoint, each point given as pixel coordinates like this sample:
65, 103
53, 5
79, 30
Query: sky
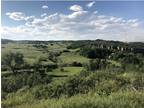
72, 20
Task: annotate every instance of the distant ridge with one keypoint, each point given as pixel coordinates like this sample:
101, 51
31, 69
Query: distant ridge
5, 41
97, 40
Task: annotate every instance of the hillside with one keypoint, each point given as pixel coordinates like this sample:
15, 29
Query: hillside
72, 74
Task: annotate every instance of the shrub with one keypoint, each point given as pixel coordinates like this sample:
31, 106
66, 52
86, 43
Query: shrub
66, 50
77, 64
13, 83
96, 64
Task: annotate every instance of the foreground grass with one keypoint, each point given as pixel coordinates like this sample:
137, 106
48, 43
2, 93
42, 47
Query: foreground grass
128, 99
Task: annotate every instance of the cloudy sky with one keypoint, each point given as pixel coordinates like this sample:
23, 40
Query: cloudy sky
79, 20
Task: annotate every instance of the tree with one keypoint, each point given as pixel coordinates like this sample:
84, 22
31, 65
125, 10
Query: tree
131, 59
13, 60
39, 76
95, 64
53, 56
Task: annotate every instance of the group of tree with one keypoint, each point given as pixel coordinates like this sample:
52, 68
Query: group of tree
13, 61
53, 56
93, 53
40, 46
16, 81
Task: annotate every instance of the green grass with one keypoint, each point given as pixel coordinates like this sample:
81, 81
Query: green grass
57, 47
67, 71
59, 76
126, 99
72, 57
30, 53
114, 62
27, 50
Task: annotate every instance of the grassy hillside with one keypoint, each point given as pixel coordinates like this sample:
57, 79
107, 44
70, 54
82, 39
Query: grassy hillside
72, 74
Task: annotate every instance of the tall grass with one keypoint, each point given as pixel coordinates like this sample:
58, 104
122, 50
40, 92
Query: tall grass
127, 99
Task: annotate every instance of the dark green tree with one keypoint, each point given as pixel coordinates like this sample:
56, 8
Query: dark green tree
93, 53
13, 61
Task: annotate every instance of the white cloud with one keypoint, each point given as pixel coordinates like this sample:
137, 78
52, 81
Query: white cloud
45, 7
76, 25
76, 8
135, 24
29, 18
95, 12
16, 15
44, 14
77, 14
132, 20
90, 4
19, 16
46, 21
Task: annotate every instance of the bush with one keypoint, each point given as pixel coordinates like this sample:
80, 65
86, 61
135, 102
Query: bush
74, 85
96, 64
107, 87
77, 64
117, 55
128, 58
13, 83
131, 59
66, 50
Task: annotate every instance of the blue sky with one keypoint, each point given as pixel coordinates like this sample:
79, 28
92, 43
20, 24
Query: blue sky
73, 20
